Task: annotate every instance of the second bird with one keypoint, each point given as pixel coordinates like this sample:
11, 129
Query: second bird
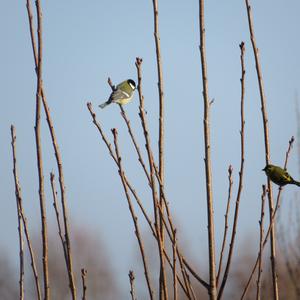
279, 175
122, 94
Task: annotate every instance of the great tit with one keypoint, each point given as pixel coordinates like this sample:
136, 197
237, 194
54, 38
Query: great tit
122, 94
279, 176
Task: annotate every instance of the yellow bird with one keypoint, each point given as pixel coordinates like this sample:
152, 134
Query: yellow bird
279, 176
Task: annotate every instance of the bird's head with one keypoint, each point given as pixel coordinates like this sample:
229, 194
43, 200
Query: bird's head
131, 84
267, 168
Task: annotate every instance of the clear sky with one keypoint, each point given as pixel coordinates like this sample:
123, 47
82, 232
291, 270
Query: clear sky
87, 41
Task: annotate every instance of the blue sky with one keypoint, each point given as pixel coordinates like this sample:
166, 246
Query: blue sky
84, 43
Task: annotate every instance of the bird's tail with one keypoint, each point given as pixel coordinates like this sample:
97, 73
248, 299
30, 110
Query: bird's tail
104, 104
296, 182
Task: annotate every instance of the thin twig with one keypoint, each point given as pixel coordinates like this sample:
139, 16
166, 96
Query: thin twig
158, 227
83, 279
241, 175
21, 213
261, 235
225, 222
208, 172
291, 141
39, 150
175, 294
57, 154
133, 215
56, 208
132, 288
161, 142
267, 149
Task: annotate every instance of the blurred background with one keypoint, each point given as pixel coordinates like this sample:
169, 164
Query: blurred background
84, 43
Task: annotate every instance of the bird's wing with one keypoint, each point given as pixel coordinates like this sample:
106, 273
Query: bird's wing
287, 176
118, 95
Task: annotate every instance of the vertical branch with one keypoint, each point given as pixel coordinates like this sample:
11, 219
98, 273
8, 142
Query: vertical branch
162, 277
133, 215
175, 294
261, 235
208, 172
83, 279
225, 222
132, 289
19, 214
55, 146
163, 294
39, 151
267, 148
241, 173
22, 215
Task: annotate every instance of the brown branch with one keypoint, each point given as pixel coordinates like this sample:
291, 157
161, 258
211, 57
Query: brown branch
261, 234
19, 214
39, 151
113, 155
22, 215
291, 141
57, 154
83, 279
133, 215
56, 208
161, 142
132, 289
175, 293
267, 149
208, 172
241, 173
225, 222
158, 227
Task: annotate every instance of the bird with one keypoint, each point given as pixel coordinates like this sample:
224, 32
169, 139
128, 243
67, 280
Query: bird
279, 176
122, 93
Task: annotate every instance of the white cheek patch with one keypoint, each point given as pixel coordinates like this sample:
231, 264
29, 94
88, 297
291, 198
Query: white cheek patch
132, 86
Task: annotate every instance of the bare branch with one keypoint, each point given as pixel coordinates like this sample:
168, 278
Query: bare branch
241, 173
19, 214
175, 294
267, 148
133, 215
225, 222
36, 55
208, 172
22, 215
39, 150
158, 227
83, 279
132, 289
261, 235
